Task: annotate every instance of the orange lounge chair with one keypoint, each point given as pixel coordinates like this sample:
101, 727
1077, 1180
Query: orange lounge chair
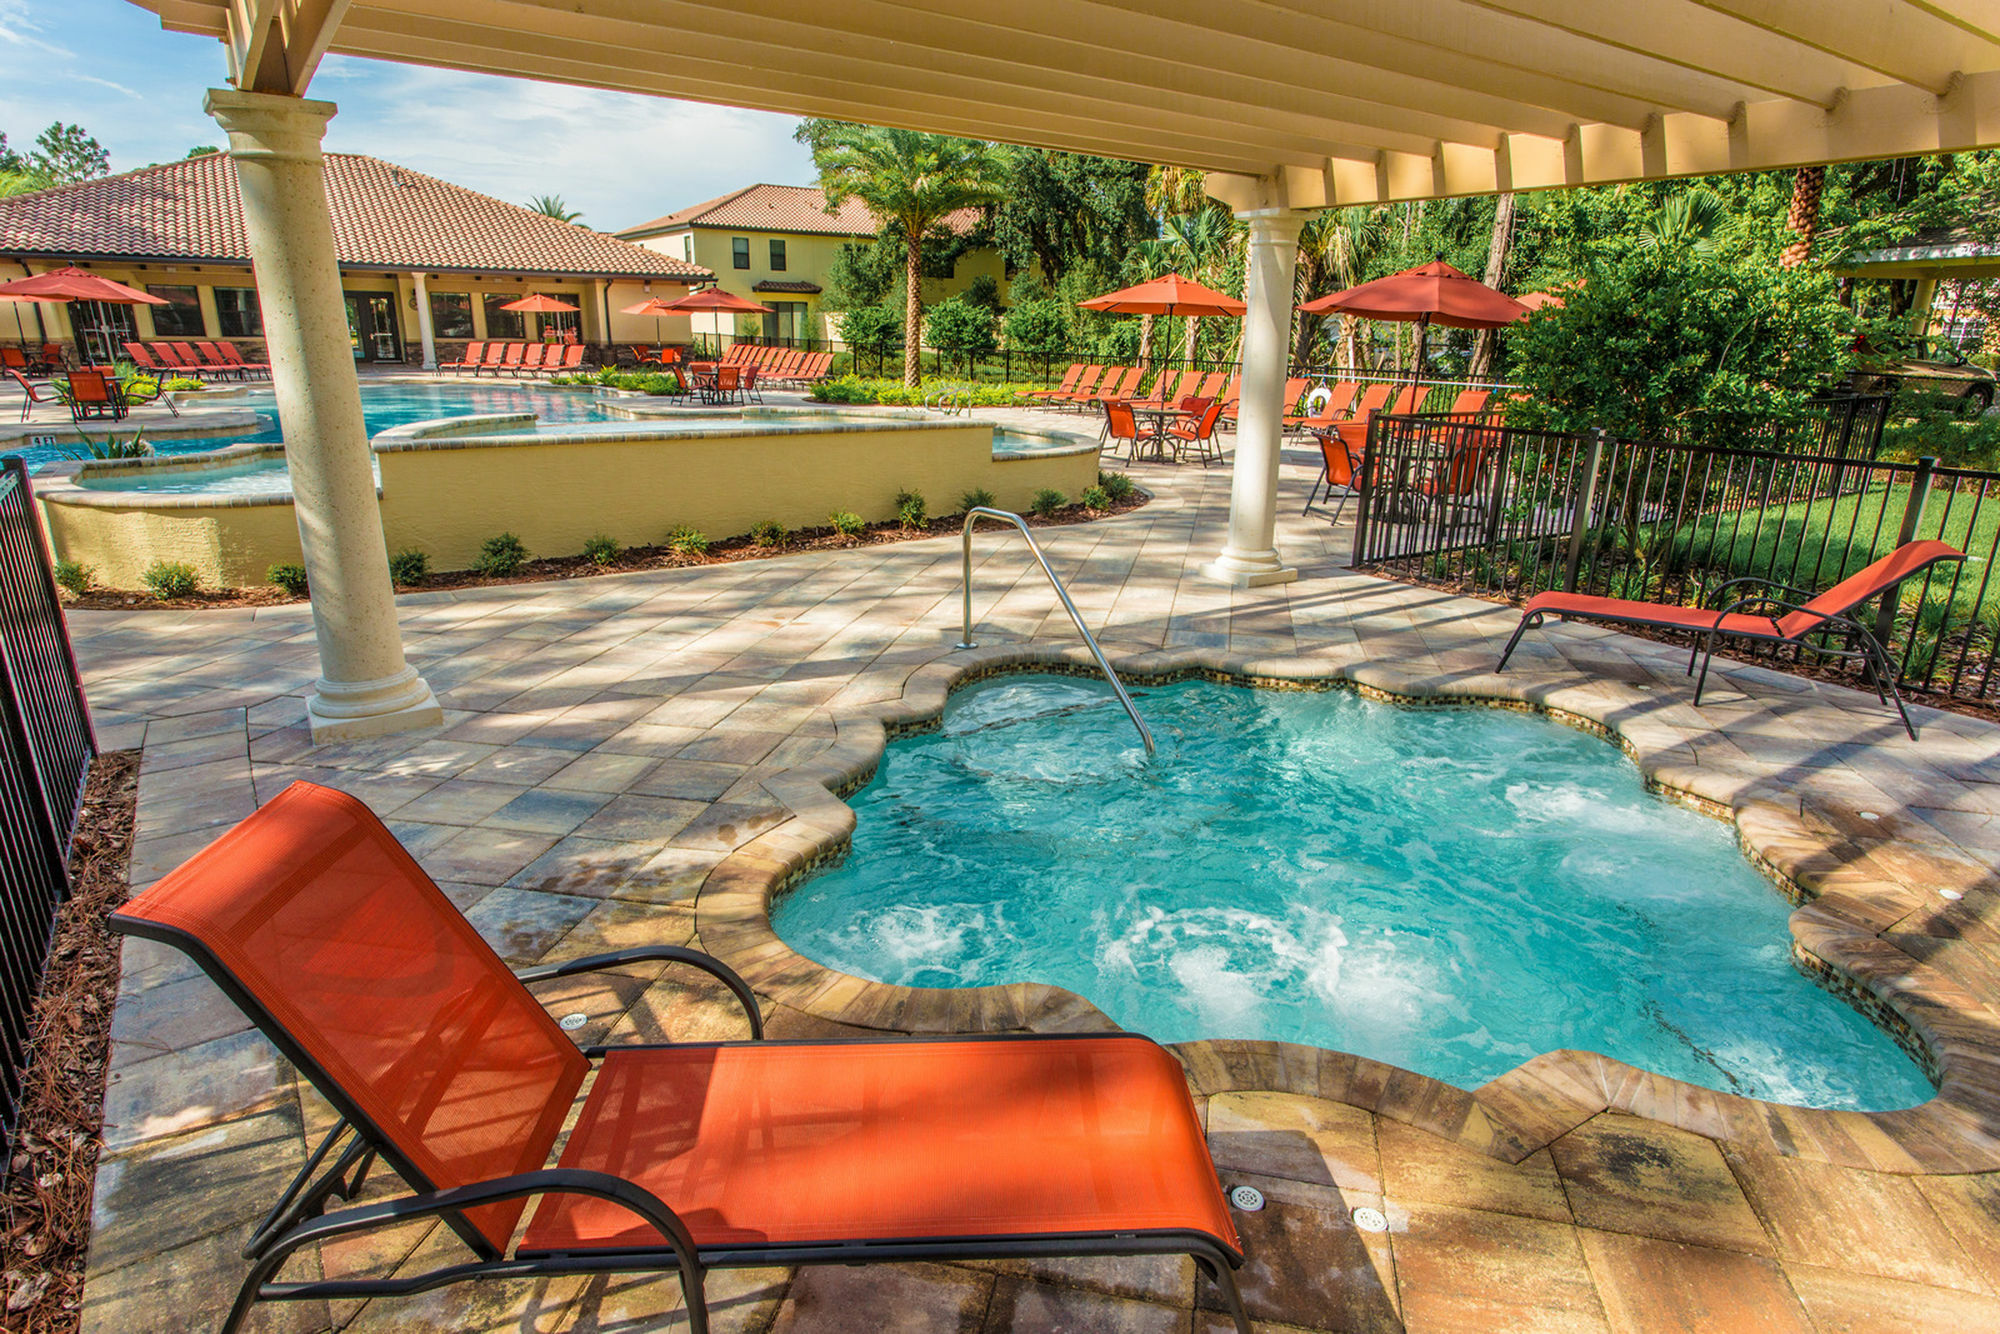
1122, 387
197, 360
1031, 396
137, 351
1212, 385
685, 1156
572, 360
1470, 403
495, 352
1339, 398
173, 360
511, 361
468, 360
233, 355
1085, 384
212, 358
531, 360
1763, 617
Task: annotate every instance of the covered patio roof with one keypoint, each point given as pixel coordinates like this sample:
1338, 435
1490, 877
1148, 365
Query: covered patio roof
1343, 101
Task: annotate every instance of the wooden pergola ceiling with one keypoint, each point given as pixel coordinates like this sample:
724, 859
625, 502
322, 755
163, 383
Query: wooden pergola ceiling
1311, 102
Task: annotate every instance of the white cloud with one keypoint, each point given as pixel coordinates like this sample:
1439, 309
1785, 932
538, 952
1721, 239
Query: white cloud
618, 158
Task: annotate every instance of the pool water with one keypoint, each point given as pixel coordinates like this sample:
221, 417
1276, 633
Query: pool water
1450, 889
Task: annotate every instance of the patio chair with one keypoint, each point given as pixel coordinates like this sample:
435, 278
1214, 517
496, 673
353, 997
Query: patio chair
1470, 403
1212, 385
1029, 397
684, 1157
495, 353
1340, 398
141, 358
511, 358
1340, 466
233, 355
1764, 617
196, 361
531, 360
1060, 398
93, 393
468, 359
14, 359
172, 360
572, 360
1121, 425
30, 395
212, 356
1197, 433
643, 356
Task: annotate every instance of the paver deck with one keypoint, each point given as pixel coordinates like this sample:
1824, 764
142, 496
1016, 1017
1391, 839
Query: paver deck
648, 757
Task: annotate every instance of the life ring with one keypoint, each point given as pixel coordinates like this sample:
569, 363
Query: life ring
1317, 400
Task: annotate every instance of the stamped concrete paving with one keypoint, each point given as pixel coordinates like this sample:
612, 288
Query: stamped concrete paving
645, 758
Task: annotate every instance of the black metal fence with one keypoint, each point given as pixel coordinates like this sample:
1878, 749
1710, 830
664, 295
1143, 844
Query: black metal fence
46, 745
1489, 509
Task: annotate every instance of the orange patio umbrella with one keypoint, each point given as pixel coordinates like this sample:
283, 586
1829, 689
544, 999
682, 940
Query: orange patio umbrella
713, 299
1171, 295
70, 283
657, 307
1433, 293
540, 305
1541, 300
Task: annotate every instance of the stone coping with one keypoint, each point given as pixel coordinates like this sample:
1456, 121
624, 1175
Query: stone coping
1837, 935
207, 421
62, 488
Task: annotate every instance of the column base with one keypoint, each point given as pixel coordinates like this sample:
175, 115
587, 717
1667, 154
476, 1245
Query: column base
358, 710
1257, 569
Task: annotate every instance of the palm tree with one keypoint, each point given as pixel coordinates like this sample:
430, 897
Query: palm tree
1336, 250
1199, 245
1148, 260
912, 182
552, 206
1802, 219
1687, 221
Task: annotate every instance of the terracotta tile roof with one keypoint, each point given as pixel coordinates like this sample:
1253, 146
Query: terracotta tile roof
781, 208
384, 216
784, 285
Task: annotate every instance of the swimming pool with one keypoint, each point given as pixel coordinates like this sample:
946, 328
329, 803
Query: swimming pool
1450, 889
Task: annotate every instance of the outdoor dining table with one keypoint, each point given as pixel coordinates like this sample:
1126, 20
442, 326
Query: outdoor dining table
701, 378
1158, 414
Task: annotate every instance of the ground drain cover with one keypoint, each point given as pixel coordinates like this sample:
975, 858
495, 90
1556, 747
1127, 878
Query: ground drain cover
571, 1022
1247, 1198
1370, 1220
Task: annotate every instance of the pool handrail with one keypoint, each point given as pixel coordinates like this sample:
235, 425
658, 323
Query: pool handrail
972, 517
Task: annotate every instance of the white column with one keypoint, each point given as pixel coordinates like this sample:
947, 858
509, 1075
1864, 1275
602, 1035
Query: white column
420, 286
1250, 558
365, 687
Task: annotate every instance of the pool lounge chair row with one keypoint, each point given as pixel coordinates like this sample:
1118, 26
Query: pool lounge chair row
199, 360
685, 1157
1084, 387
1341, 428
517, 359
781, 364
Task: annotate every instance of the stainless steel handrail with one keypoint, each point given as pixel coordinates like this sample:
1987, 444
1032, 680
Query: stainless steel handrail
972, 516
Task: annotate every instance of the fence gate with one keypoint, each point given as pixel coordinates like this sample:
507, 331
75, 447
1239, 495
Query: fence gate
46, 745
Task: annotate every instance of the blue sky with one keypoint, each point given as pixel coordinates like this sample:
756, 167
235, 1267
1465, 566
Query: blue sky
621, 159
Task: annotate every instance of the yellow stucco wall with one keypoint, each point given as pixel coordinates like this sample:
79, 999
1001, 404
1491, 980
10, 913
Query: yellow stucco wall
808, 258
447, 499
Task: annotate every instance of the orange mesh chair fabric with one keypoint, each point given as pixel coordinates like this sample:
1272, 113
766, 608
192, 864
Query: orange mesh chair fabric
312, 908
786, 1143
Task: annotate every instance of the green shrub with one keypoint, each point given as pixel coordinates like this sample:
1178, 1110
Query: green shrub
290, 576
170, 579
111, 447
601, 549
1036, 327
687, 541
74, 575
1116, 485
854, 389
409, 567
768, 533
181, 384
872, 329
976, 499
961, 329
501, 556
1096, 498
847, 523
910, 509
1047, 502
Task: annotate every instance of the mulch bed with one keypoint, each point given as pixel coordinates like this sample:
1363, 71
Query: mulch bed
741, 547
45, 1199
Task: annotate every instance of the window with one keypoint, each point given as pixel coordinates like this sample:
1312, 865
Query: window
739, 252
687, 247
451, 314
502, 323
181, 316
777, 256
787, 321
237, 314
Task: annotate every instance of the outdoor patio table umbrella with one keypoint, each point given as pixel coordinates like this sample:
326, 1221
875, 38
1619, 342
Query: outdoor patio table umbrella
1433, 293
713, 300
73, 284
658, 308
1171, 295
20, 329
540, 305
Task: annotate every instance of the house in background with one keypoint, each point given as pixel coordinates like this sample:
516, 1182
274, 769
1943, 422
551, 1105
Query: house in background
425, 264
775, 244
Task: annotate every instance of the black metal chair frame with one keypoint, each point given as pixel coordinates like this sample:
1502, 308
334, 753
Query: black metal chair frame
299, 1218
1861, 642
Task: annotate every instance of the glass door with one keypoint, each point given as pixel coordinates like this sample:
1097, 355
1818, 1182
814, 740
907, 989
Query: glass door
371, 327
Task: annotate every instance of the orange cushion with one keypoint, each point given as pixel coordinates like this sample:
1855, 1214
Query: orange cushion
1649, 613
780, 1143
